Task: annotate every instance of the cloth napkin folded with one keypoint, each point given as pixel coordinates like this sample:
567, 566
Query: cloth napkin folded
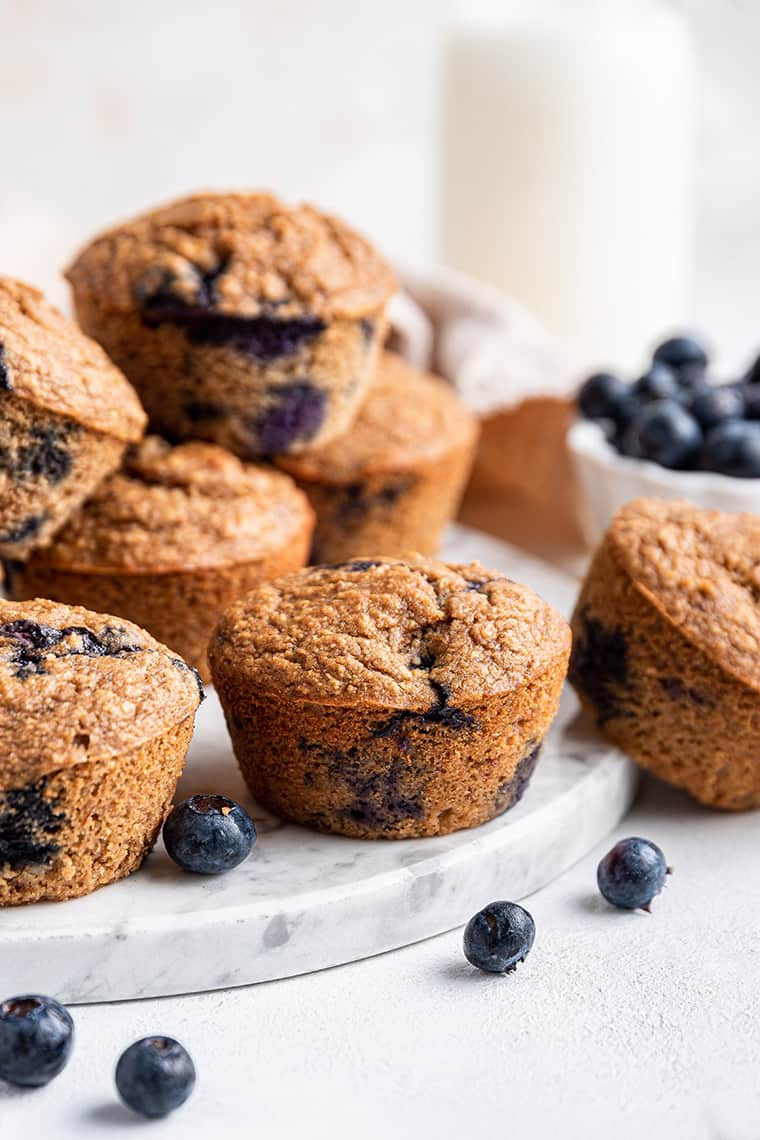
494, 351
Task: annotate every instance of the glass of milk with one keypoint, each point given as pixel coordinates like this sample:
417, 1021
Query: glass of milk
568, 166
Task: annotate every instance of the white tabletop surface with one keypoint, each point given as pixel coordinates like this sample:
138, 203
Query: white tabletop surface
618, 1025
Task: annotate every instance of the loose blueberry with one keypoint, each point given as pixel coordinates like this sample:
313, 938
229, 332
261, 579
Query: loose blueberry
602, 396
665, 433
36, 1037
680, 351
632, 873
209, 834
733, 448
154, 1076
499, 937
716, 405
658, 383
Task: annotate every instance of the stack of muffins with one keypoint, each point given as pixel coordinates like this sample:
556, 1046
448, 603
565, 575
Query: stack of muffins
252, 335
254, 330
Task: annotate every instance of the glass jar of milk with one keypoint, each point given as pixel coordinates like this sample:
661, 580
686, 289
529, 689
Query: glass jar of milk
568, 166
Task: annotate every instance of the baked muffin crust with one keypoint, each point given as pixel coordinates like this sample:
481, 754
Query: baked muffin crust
47, 361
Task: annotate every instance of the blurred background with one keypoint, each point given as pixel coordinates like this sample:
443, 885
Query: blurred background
107, 108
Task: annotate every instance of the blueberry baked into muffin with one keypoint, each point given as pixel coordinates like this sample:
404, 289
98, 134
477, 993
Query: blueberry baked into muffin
66, 416
388, 699
238, 319
95, 720
171, 540
666, 646
390, 485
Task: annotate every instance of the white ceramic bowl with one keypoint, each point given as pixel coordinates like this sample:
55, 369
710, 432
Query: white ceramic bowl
608, 480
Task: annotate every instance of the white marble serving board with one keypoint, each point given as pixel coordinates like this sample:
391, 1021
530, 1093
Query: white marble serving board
305, 901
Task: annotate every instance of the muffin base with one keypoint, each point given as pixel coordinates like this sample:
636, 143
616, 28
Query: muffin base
388, 514
49, 464
81, 827
659, 697
205, 377
179, 608
382, 773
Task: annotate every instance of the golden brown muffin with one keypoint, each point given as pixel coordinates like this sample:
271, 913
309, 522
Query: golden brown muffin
95, 720
393, 482
238, 319
66, 416
171, 540
387, 699
667, 646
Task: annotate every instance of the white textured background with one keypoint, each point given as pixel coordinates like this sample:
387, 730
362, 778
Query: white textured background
107, 107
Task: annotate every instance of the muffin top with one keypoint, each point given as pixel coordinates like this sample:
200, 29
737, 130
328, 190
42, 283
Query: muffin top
77, 686
416, 635
408, 416
701, 570
189, 507
234, 255
46, 360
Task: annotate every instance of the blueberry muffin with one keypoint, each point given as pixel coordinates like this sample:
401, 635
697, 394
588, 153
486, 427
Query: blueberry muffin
171, 540
95, 721
393, 482
238, 319
66, 416
388, 699
666, 646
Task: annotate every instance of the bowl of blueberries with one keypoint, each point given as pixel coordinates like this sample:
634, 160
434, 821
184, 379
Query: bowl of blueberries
673, 433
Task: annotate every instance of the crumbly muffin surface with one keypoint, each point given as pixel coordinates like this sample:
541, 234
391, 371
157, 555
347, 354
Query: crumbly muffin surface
244, 255
187, 507
390, 633
46, 360
408, 416
78, 686
701, 570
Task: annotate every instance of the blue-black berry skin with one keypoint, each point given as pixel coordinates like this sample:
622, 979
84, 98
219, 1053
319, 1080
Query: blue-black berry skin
209, 834
659, 382
714, 406
681, 351
733, 448
36, 1038
752, 401
664, 432
603, 396
499, 937
632, 874
154, 1076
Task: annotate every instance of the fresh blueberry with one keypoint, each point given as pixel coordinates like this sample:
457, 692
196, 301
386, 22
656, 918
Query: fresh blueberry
692, 376
716, 405
680, 351
602, 396
733, 448
155, 1075
499, 937
659, 382
36, 1036
209, 834
632, 873
665, 433
752, 401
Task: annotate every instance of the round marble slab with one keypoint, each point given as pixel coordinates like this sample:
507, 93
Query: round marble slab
305, 901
